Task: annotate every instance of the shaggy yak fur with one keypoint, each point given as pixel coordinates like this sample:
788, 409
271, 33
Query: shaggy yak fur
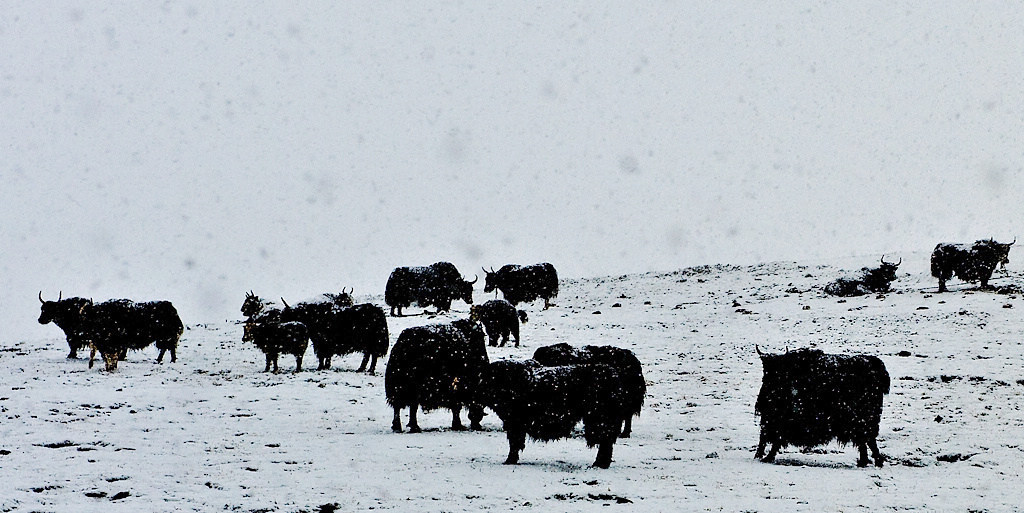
971, 263
547, 403
342, 330
436, 366
499, 318
523, 284
274, 337
65, 313
868, 281
623, 360
434, 285
115, 326
810, 398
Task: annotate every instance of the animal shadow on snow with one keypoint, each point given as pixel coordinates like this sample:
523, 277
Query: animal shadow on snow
796, 461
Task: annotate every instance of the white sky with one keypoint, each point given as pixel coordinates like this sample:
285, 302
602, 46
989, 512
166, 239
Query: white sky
192, 152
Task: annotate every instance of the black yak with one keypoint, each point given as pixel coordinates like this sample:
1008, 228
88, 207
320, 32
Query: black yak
548, 402
523, 284
66, 314
810, 398
870, 280
623, 360
273, 337
434, 285
113, 327
436, 366
342, 330
971, 263
499, 318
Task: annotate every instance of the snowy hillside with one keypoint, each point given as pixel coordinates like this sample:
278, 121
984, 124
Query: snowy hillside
211, 432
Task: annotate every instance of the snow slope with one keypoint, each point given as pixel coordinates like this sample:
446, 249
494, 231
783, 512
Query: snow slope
212, 432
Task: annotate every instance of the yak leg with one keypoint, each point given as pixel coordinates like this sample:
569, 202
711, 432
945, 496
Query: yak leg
547, 303
515, 333
627, 427
373, 364
504, 339
604, 454
762, 441
862, 461
414, 427
275, 363
873, 445
366, 359
396, 423
298, 363
174, 356
771, 453
456, 421
475, 412
492, 339
269, 361
92, 354
516, 443
110, 360
123, 355
942, 285
74, 352
160, 357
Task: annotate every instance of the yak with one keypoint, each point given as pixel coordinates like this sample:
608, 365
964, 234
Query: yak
547, 403
810, 398
868, 281
435, 285
436, 366
113, 327
65, 313
523, 284
273, 337
974, 263
342, 330
622, 360
500, 318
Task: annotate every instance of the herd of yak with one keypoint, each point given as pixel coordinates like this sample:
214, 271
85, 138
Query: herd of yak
807, 397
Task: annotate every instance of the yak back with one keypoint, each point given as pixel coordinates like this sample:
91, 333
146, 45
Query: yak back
809, 398
626, 363
970, 263
548, 402
361, 328
427, 366
521, 284
433, 285
122, 323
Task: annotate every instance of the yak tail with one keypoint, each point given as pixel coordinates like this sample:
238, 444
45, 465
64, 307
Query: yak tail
522, 316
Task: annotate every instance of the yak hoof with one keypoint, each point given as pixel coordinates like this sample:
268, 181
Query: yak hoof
415, 429
602, 464
862, 463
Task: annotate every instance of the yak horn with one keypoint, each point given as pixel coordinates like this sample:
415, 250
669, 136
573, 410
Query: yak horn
41, 297
60, 296
285, 303
475, 279
758, 349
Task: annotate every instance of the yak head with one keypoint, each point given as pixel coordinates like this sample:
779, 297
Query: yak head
878, 279
50, 310
490, 280
464, 290
343, 300
252, 306
994, 251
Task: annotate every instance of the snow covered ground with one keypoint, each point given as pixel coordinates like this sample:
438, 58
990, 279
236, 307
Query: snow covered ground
213, 433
